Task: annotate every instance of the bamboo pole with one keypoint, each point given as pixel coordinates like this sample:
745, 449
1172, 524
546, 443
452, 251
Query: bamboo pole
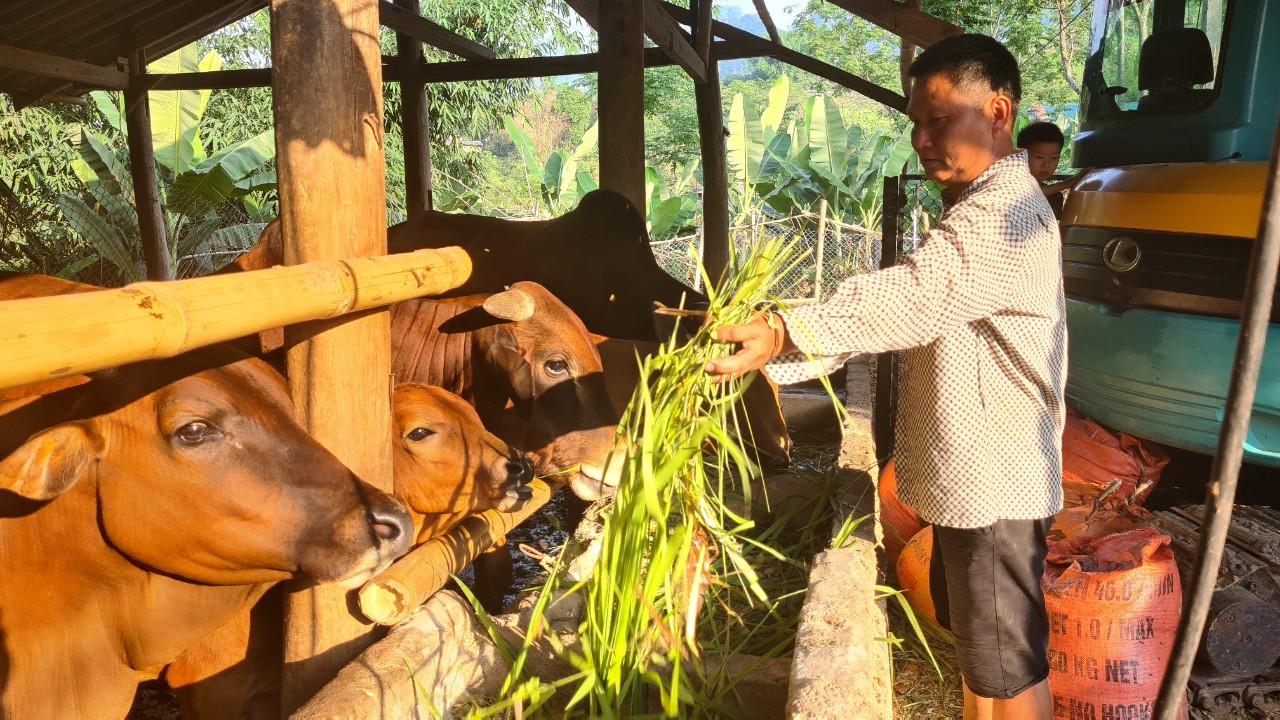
821, 249
394, 594
327, 94
66, 334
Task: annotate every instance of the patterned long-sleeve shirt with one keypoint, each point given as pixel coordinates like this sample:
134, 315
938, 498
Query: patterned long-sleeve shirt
979, 310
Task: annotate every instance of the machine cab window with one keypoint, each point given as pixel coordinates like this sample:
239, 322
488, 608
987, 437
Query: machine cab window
1154, 56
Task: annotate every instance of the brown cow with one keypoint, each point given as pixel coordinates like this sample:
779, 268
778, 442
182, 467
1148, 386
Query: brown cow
528, 366
596, 258
132, 522
447, 467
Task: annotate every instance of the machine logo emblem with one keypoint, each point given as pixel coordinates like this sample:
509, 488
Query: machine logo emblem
1121, 254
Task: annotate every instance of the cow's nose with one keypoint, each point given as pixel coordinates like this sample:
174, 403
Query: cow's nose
519, 470
389, 525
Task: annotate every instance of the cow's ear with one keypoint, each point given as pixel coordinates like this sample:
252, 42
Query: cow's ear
511, 304
48, 463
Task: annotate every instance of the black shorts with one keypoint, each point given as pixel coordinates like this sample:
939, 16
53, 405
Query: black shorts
985, 584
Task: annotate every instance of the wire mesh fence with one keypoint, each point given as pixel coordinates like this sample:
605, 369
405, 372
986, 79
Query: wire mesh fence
831, 252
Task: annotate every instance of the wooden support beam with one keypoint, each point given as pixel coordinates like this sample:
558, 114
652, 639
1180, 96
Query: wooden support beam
659, 26
666, 33
142, 167
767, 19
702, 31
327, 92
909, 23
621, 99
715, 175
408, 22
60, 68
61, 335
414, 121
797, 59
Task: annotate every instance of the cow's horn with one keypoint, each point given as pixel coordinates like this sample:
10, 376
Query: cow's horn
511, 304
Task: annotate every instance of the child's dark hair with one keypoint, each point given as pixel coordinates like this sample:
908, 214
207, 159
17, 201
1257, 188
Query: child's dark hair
1040, 132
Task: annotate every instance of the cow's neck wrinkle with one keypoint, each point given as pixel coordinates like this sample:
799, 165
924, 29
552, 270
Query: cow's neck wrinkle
422, 353
84, 619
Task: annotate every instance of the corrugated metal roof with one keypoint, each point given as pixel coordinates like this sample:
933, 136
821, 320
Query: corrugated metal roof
100, 31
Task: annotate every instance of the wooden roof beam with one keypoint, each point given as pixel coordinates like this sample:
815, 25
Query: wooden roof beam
441, 72
53, 66
911, 24
813, 65
407, 22
661, 28
767, 19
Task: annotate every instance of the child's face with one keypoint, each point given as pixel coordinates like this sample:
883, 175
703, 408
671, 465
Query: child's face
1042, 158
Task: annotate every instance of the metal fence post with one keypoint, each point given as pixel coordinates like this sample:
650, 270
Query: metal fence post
819, 257
886, 399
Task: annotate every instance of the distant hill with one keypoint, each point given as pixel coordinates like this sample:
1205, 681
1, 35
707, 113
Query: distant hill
745, 20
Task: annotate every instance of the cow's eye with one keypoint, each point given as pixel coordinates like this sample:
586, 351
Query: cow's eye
419, 433
557, 367
195, 433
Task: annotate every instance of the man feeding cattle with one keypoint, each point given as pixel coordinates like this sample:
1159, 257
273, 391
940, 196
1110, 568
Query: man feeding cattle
978, 308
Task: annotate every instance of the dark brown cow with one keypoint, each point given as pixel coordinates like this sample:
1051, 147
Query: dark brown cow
146, 507
596, 258
447, 467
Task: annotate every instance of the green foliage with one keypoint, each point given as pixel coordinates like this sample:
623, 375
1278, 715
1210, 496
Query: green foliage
818, 156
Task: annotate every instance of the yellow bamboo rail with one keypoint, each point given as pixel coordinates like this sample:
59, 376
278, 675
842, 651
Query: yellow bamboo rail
393, 595
50, 337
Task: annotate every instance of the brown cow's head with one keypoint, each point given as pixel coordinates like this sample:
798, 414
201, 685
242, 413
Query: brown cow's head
447, 465
197, 467
556, 388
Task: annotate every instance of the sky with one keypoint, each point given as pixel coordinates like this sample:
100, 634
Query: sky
782, 11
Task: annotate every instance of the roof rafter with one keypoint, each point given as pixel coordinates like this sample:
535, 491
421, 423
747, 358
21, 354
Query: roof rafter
661, 28
407, 22
912, 24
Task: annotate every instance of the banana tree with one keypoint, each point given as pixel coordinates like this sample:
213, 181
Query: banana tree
557, 181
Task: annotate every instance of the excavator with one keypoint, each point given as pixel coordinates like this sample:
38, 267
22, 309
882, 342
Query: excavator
1179, 106
1178, 112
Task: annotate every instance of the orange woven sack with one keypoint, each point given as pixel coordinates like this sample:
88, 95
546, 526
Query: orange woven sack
1094, 457
899, 520
1085, 523
913, 574
1113, 609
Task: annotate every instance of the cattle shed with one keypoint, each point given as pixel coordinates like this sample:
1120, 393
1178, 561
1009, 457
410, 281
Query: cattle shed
327, 74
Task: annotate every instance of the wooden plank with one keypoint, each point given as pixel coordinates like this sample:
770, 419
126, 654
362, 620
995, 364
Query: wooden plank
796, 59
414, 121
909, 23
410, 23
327, 91
621, 99
142, 166
667, 35
64, 335
715, 175
61, 68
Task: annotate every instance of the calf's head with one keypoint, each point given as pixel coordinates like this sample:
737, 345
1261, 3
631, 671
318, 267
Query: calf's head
197, 467
447, 465
559, 404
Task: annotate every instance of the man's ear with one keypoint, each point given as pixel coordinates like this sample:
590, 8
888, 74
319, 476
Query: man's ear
48, 463
1002, 112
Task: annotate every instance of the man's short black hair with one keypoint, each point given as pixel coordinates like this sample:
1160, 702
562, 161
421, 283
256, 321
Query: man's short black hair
1041, 132
971, 58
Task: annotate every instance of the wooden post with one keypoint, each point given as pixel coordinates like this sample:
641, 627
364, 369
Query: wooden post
885, 409
327, 89
715, 177
818, 259
415, 119
621, 98
142, 166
